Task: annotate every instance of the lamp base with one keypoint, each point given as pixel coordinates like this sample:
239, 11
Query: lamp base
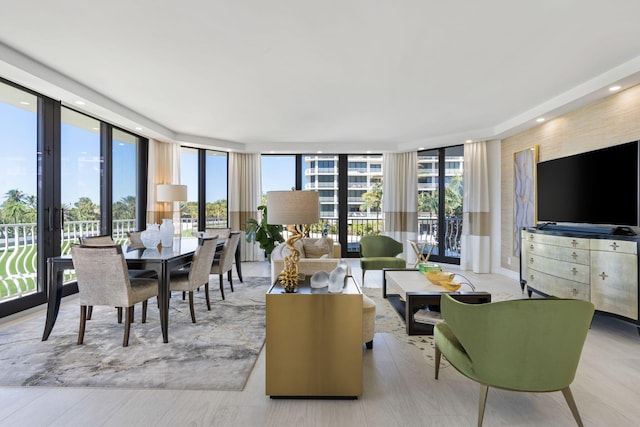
289, 275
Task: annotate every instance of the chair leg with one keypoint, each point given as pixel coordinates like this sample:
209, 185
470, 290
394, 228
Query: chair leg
369, 344
484, 389
438, 356
230, 280
184, 294
363, 271
568, 396
83, 323
89, 312
206, 295
145, 303
221, 288
128, 318
119, 314
193, 313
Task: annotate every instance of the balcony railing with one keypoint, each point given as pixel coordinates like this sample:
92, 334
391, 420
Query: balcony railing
19, 243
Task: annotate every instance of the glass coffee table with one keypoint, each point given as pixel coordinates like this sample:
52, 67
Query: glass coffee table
410, 292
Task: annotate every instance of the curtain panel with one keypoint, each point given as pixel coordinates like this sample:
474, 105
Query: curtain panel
245, 194
164, 168
475, 242
400, 199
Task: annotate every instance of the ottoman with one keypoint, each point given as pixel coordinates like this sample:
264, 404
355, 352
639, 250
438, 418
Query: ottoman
368, 320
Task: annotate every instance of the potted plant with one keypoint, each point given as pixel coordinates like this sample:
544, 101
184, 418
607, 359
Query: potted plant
268, 236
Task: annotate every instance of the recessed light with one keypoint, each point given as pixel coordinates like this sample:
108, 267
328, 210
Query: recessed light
319, 152
25, 103
540, 119
469, 140
614, 88
79, 102
138, 128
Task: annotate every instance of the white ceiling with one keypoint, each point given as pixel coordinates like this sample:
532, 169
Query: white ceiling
335, 75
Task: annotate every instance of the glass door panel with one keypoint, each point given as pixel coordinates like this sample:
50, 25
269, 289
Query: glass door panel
80, 171
216, 190
187, 216
124, 188
18, 192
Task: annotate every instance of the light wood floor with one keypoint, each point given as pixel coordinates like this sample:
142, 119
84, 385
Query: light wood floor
399, 390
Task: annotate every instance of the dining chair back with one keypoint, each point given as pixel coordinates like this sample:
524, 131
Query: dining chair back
224, 264
197, 273
103, 279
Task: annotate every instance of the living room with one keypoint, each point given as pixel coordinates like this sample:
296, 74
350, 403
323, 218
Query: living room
399, 385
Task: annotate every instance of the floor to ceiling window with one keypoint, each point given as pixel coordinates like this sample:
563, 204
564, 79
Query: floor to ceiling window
189, 176
216, 190
18, 192
125, 183
440, 201
58, 183
81, 169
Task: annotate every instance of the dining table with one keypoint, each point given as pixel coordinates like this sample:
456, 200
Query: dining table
161, 260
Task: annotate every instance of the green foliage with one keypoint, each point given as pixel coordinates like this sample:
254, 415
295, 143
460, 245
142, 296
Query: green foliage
268, 236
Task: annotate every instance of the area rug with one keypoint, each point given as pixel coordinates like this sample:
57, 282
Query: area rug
216, 353
388, 321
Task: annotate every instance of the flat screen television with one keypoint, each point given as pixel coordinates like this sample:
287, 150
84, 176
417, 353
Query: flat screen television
596, 187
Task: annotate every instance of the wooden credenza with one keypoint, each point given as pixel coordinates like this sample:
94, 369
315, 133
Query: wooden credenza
601, 268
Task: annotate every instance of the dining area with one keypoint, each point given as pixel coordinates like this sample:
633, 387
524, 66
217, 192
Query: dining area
121, 276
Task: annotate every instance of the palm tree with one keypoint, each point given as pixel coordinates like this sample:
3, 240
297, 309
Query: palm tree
372, 199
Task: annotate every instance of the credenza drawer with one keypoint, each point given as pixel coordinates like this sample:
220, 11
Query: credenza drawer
557, 286
570, 271
618, 246
568, 242
560, 253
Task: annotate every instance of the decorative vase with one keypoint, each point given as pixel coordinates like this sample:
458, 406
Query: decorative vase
151, 236
166, 232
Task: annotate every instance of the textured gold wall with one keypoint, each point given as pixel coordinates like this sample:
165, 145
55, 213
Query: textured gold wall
610, 121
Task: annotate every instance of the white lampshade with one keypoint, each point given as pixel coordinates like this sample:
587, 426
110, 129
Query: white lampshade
293, 207
171, 193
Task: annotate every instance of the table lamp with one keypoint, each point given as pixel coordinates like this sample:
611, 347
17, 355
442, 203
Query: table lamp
169, 193
293, 209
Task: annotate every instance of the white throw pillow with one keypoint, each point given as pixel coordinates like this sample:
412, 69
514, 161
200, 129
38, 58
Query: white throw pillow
317, 248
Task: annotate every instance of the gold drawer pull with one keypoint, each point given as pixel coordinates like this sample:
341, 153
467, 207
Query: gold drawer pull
603, 275
574, 243
531, 247
574, 271
530, 260
614, 246
574, 291
574, 256
531, 277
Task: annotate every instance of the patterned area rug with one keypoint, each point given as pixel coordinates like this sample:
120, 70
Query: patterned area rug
389, 321
216, 353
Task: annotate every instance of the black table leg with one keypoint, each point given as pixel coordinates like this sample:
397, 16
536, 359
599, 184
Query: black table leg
238, 263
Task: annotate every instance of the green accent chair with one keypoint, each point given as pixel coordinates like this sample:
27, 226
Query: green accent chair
531, 345
378, 252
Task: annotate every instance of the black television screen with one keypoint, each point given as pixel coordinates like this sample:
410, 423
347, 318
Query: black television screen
596, 187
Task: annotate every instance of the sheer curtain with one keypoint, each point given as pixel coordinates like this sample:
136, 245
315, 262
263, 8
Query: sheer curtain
400, 198
245, 194
164, 168
475, 242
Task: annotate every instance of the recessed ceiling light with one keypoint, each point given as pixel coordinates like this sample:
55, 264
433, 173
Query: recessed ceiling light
420, 148
469, 140
319, 151
614, 88
25, 103
79, 102
138, 128
540, 119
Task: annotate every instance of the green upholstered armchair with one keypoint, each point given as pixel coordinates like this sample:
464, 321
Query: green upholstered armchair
378, 252
531, 345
